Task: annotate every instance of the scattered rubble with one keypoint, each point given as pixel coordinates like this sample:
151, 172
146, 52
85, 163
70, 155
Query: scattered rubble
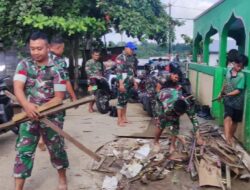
110, 183
213, 164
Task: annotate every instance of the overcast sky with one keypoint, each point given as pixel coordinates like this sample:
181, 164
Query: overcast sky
186, 9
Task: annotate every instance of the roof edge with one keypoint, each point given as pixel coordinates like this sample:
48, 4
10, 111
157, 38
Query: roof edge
209, 9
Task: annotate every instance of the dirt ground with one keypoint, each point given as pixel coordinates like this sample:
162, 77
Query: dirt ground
93, 130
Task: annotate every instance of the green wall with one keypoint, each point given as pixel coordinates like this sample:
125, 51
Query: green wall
220, 19
217, 107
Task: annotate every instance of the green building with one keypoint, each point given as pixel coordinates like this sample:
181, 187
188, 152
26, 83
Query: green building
227, 18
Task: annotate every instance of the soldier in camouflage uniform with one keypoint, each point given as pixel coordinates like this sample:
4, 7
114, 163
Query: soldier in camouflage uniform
56, 52
57, 49
38, 80
157, 82
125, 75
94, 69
170, 106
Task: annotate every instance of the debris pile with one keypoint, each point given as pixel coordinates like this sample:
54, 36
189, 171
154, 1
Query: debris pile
127, 160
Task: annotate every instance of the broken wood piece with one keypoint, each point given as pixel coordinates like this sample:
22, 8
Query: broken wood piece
10, 124
11, 96
209, 174
109, 164
44, 107
228, 177
97, 166
235, 167
245, 176
71, 139
222, 186
192, 155
225, 147
245, 157
139, 137
165, 164
50, 124
230, 158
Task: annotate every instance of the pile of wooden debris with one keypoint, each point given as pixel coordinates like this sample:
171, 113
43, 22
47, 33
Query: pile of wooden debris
127, 160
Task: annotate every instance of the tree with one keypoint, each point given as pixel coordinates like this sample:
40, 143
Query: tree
142, 19
73, 19
187, 40
84, 21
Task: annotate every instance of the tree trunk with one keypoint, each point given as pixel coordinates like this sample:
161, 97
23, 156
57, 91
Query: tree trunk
76, 71
73, 61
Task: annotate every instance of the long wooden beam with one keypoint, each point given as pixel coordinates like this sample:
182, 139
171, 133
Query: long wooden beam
65, 106
40, 109
71, 139
54, 107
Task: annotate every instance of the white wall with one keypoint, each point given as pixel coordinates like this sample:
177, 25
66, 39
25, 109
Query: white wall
213, 59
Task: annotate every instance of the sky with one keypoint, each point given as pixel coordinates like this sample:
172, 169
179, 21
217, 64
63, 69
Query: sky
186, 9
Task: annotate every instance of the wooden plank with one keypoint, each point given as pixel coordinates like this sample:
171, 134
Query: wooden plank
139, 137
54, 127
228, 157
245, 157
44, 107
228, 178
10, 124
71, 139
11, 96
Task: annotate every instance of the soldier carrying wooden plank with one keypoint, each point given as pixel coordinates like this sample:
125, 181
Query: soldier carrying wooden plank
38, 81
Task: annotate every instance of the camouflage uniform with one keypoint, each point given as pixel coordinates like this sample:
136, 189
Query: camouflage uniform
164, 79
125, 72
41, 82
61, 63
150, 86
93, 68
165, 113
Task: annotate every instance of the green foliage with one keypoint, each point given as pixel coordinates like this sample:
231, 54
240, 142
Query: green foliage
188, 40
144, 19
146, 50
70, 26
71, 18
12, 13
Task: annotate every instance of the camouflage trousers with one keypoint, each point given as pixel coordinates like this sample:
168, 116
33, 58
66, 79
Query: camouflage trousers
171, 123
153, 105
173, 127
29, 134
123, 97
122, 100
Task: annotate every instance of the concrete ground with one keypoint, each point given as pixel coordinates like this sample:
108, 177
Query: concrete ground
93, 130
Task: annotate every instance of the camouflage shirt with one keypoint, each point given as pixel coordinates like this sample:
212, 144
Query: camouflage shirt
125, 67
165, 107
41, 82
93, 68
150, 86
60, 61
163, 78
